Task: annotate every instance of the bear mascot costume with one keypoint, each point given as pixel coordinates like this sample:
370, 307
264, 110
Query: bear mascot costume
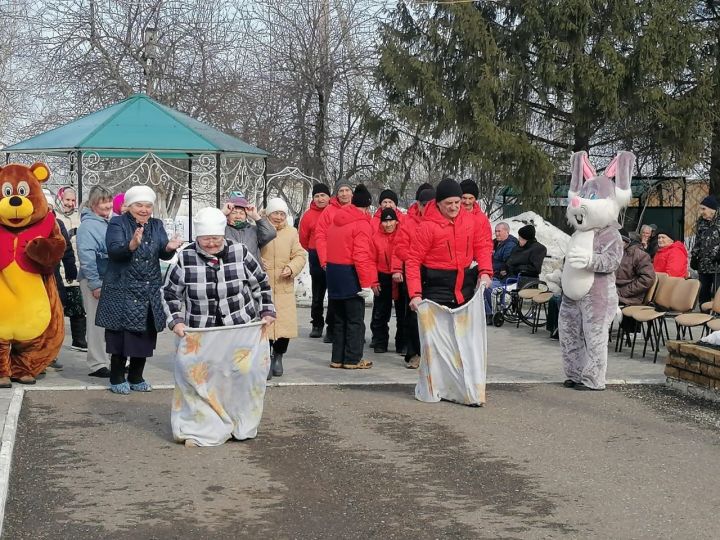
589, 301
31, 246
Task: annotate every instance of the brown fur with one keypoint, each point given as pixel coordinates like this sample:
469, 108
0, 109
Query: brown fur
29, 358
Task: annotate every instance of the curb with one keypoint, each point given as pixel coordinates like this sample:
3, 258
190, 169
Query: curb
6, 450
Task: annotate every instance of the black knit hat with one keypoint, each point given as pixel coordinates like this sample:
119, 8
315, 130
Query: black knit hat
388, 194
361, 196
469, 187
321, 188
667, 233
447, 188
426, 195
710, 201
527, 232
388, 214
422, 187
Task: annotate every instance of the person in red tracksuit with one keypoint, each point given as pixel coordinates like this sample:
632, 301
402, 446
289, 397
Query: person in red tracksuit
388, 199
308, 225
384, 237
343, 197
351, 274
400, 253
470, 194
448, 241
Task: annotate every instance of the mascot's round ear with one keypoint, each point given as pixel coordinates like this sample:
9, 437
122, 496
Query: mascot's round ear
40, 171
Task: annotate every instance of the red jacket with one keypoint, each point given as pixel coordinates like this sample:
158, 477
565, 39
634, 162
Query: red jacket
350, 254
321, 229
449, 246
413, 210
375, 221
308, 224
383, 244
672, 259
403, 240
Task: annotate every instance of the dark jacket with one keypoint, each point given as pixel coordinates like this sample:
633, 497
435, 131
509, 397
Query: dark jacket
502, 253
133, 279
634, 276
68, 264
706, 250
527, 260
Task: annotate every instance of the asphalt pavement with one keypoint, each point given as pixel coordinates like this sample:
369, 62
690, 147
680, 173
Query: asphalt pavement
538, 461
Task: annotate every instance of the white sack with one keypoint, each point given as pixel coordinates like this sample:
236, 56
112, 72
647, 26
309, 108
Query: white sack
453, 363
220, 380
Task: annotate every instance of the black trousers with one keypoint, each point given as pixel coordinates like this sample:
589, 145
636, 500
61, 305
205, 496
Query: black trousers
117, 369
319, 287
280, 345
708, 286
412, 334
348, 330
382, 310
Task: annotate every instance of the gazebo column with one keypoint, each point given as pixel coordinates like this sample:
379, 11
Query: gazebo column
78, 158
217, 180
190, 197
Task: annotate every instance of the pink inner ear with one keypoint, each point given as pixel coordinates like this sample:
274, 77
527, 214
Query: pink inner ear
611, 169
588, 169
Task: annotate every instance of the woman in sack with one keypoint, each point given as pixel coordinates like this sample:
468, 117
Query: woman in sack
68, 214
93, 258
130, 307
283, 258
215, 282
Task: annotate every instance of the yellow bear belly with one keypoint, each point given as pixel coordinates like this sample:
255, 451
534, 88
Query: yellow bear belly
24, 304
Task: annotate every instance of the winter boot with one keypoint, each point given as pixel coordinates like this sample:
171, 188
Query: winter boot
272, 362
78, 328
328, 336
316, 332
276, 366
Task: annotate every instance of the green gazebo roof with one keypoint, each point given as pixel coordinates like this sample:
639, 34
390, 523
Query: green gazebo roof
133, 127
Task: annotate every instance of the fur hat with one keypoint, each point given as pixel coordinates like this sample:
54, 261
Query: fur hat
710, 201
388, 214
209, 222
388, 194
139, 194
321, 188
527, 232
447, 188
426, 195
361, 196
469, 187
421, 188
276, 205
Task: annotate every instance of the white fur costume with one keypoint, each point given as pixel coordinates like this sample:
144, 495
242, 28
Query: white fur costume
589, 301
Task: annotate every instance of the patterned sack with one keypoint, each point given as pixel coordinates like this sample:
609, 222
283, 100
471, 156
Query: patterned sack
74, 304
453, 363
220, 376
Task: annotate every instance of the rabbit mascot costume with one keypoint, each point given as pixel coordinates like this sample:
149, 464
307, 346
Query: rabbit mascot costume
589, 301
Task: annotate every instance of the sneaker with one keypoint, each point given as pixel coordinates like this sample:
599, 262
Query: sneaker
55, 366
79, 346
362, 364
335, 365
103, 373
413, 363
316, 332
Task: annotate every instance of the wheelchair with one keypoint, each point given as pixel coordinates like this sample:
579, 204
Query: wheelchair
512, 302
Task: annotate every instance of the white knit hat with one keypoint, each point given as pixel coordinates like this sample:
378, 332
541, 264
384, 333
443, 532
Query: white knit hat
139, 194
209, 222
276, 205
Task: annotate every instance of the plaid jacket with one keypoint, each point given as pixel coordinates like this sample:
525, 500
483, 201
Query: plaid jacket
235, 290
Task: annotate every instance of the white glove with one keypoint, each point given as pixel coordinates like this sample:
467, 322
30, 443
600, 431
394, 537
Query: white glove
365, 293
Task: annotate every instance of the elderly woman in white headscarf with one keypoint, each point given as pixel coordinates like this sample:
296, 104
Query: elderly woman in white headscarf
283, 258
217, 283
130, 307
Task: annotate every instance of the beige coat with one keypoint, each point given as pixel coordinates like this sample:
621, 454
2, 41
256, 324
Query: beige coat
284, 250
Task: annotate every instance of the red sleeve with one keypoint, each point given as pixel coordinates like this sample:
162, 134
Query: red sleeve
304, 231
321, 236
418, 250
482, 244
364, 256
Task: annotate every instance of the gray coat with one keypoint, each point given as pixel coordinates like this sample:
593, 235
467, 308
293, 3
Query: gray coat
131, 287
254, 237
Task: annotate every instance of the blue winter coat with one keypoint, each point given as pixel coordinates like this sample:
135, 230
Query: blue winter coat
91, 248
133, 279
502, 254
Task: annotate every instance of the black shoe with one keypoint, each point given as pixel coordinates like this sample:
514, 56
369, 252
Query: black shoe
79, 346
328, 337
103, 373
569, 383
380, 349
555, 334
373, 343
402, 351
316, 332
276, 366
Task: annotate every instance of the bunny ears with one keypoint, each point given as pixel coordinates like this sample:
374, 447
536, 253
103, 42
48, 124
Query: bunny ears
589, 172
620, 168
